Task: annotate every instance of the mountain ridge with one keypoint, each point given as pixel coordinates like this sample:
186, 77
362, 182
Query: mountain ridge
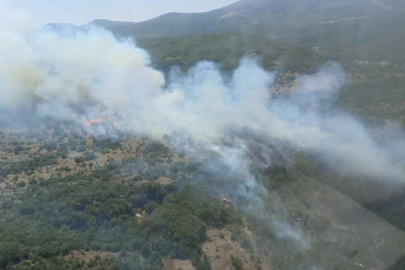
270, 18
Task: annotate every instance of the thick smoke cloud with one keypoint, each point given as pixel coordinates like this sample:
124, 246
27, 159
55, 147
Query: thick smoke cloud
85, 75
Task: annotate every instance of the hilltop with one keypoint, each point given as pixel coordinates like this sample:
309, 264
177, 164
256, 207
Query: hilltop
286, 20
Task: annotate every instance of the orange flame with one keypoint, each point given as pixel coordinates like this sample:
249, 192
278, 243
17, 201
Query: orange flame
95, 121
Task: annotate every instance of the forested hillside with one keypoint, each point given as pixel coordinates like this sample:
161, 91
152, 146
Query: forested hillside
74, 202
364, 36
95, 188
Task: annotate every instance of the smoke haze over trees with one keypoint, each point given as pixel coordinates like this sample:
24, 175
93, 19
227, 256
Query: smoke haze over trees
216, 127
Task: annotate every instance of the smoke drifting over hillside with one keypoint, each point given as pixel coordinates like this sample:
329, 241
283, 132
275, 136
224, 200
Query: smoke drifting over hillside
79, 76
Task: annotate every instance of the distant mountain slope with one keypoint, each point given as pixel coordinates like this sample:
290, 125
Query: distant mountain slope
366, 36
364, 29
308, 21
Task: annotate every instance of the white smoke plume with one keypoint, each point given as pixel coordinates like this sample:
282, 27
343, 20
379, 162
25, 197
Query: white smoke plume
79, 76
89, 75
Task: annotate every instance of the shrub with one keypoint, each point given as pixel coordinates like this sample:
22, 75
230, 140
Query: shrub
237, 263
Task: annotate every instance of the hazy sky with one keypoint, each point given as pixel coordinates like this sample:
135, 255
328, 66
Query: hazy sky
83, 11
